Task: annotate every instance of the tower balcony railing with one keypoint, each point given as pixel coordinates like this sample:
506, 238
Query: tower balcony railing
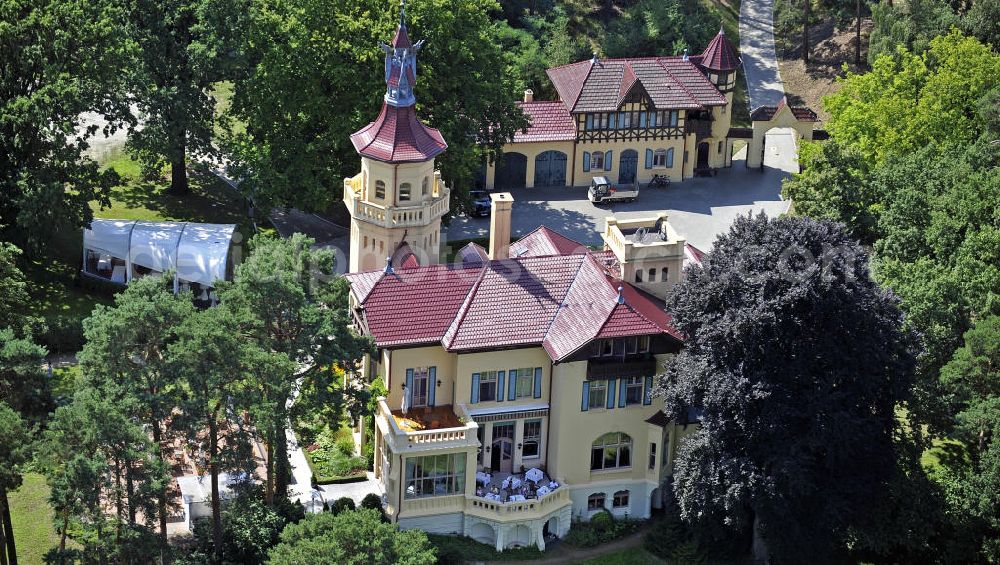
427, 428
423, 212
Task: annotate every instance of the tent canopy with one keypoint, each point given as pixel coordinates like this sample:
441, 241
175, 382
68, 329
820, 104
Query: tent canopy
197, 252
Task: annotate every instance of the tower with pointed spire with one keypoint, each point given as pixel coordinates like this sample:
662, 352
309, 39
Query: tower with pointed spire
719, 62
398, 197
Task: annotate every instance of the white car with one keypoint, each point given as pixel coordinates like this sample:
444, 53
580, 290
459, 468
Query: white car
601, 190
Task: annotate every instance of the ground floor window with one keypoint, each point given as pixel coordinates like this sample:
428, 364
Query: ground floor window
532, 438
435, 475
620, 499
595, 501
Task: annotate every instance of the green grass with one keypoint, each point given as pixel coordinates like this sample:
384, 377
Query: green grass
223, 94
631, 556
31, 517
118, 160
454, 549
64, 381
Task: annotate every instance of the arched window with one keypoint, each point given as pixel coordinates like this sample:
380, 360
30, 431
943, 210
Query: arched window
611, 451
404, 191
620, 499
652, 275
638, 275
595, 501
423, 186
380, 189
663, 274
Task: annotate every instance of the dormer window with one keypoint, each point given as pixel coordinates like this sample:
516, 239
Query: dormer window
380, 189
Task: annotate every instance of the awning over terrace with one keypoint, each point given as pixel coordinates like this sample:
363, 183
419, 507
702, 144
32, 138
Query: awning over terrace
198, 253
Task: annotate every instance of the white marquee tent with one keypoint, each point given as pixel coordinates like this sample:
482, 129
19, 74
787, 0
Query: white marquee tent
198, 253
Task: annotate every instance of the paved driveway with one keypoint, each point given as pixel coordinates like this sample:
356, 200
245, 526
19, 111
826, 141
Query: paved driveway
699, 209
760, 64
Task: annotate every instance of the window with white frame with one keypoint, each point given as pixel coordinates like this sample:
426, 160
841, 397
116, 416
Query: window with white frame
487, 386
598, 394
524, 386
660, 159
611, 451
620, 500
532, 439
435, 475
597, 160
596, 501
633, 390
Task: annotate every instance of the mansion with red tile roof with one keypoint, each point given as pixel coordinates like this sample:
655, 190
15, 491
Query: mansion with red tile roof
519, 378
629, 119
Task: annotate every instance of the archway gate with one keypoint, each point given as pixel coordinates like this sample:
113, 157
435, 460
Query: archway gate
764, 118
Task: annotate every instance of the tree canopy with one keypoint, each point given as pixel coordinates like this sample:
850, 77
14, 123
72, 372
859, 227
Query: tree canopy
792, 354
358, 537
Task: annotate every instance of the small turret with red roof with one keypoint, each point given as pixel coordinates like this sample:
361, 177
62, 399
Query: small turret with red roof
719, 61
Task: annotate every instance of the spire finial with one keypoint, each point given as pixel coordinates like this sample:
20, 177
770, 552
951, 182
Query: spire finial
685, 53
621, 296
402, 13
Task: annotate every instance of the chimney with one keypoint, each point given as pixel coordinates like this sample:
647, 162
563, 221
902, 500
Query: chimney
500, 225
529, 95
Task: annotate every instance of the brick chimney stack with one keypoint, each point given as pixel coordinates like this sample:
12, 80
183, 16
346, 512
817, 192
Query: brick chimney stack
500, 225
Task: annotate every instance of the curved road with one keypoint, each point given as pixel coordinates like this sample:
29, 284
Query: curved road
760, 62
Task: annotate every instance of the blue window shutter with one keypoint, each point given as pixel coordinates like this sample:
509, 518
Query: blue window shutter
409, 385
607, 160
538, 382
670, 157
642, 120
431, 385
611, 120
475, 388
621, 393
647, 394
586, 161
512, 384
611, 394
649, 158
590, 121
585, 403
500, 387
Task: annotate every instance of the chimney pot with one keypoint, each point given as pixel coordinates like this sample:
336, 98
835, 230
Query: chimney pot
529, 95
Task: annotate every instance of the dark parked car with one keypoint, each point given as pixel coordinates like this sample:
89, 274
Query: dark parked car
481, 204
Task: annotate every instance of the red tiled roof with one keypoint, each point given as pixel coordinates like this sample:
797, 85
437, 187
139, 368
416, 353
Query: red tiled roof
671, 83
693, 255
800, 113
404, 258
544, 241
402, 39
397, 136
561, 302
414, 306
550, 121
720, 55
472, 253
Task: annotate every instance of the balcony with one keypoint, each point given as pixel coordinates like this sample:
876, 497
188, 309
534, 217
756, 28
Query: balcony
438, 427
700, 128
636, 366
433, 207
530, 509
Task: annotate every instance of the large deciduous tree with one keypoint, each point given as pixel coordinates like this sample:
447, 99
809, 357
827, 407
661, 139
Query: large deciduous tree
316, 76
293, 318
14, 446
184, 48
125, 356
60, 59
797, 361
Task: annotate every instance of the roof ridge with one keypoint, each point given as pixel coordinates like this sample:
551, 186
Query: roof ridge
583, 84
562, 303
464, 308
691, 96
600, 269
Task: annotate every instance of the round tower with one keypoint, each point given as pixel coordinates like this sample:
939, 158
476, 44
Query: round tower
398, 196
719, 61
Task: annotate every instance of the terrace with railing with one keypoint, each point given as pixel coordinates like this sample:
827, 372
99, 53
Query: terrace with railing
432, 207
435, 427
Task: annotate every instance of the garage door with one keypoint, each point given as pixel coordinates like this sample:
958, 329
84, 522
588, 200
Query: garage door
550, 169
513, 171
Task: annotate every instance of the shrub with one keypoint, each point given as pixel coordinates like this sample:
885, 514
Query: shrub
601, 528
341, 505
372, 501
63, 334
345, 445
602, 521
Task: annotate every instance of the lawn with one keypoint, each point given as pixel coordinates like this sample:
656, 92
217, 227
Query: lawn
632, 556
31, 517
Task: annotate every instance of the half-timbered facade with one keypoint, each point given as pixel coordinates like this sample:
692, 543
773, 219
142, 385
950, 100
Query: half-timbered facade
626, 119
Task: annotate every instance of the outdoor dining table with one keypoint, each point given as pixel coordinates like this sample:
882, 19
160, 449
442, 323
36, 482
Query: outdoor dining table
534, 475
517, 498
